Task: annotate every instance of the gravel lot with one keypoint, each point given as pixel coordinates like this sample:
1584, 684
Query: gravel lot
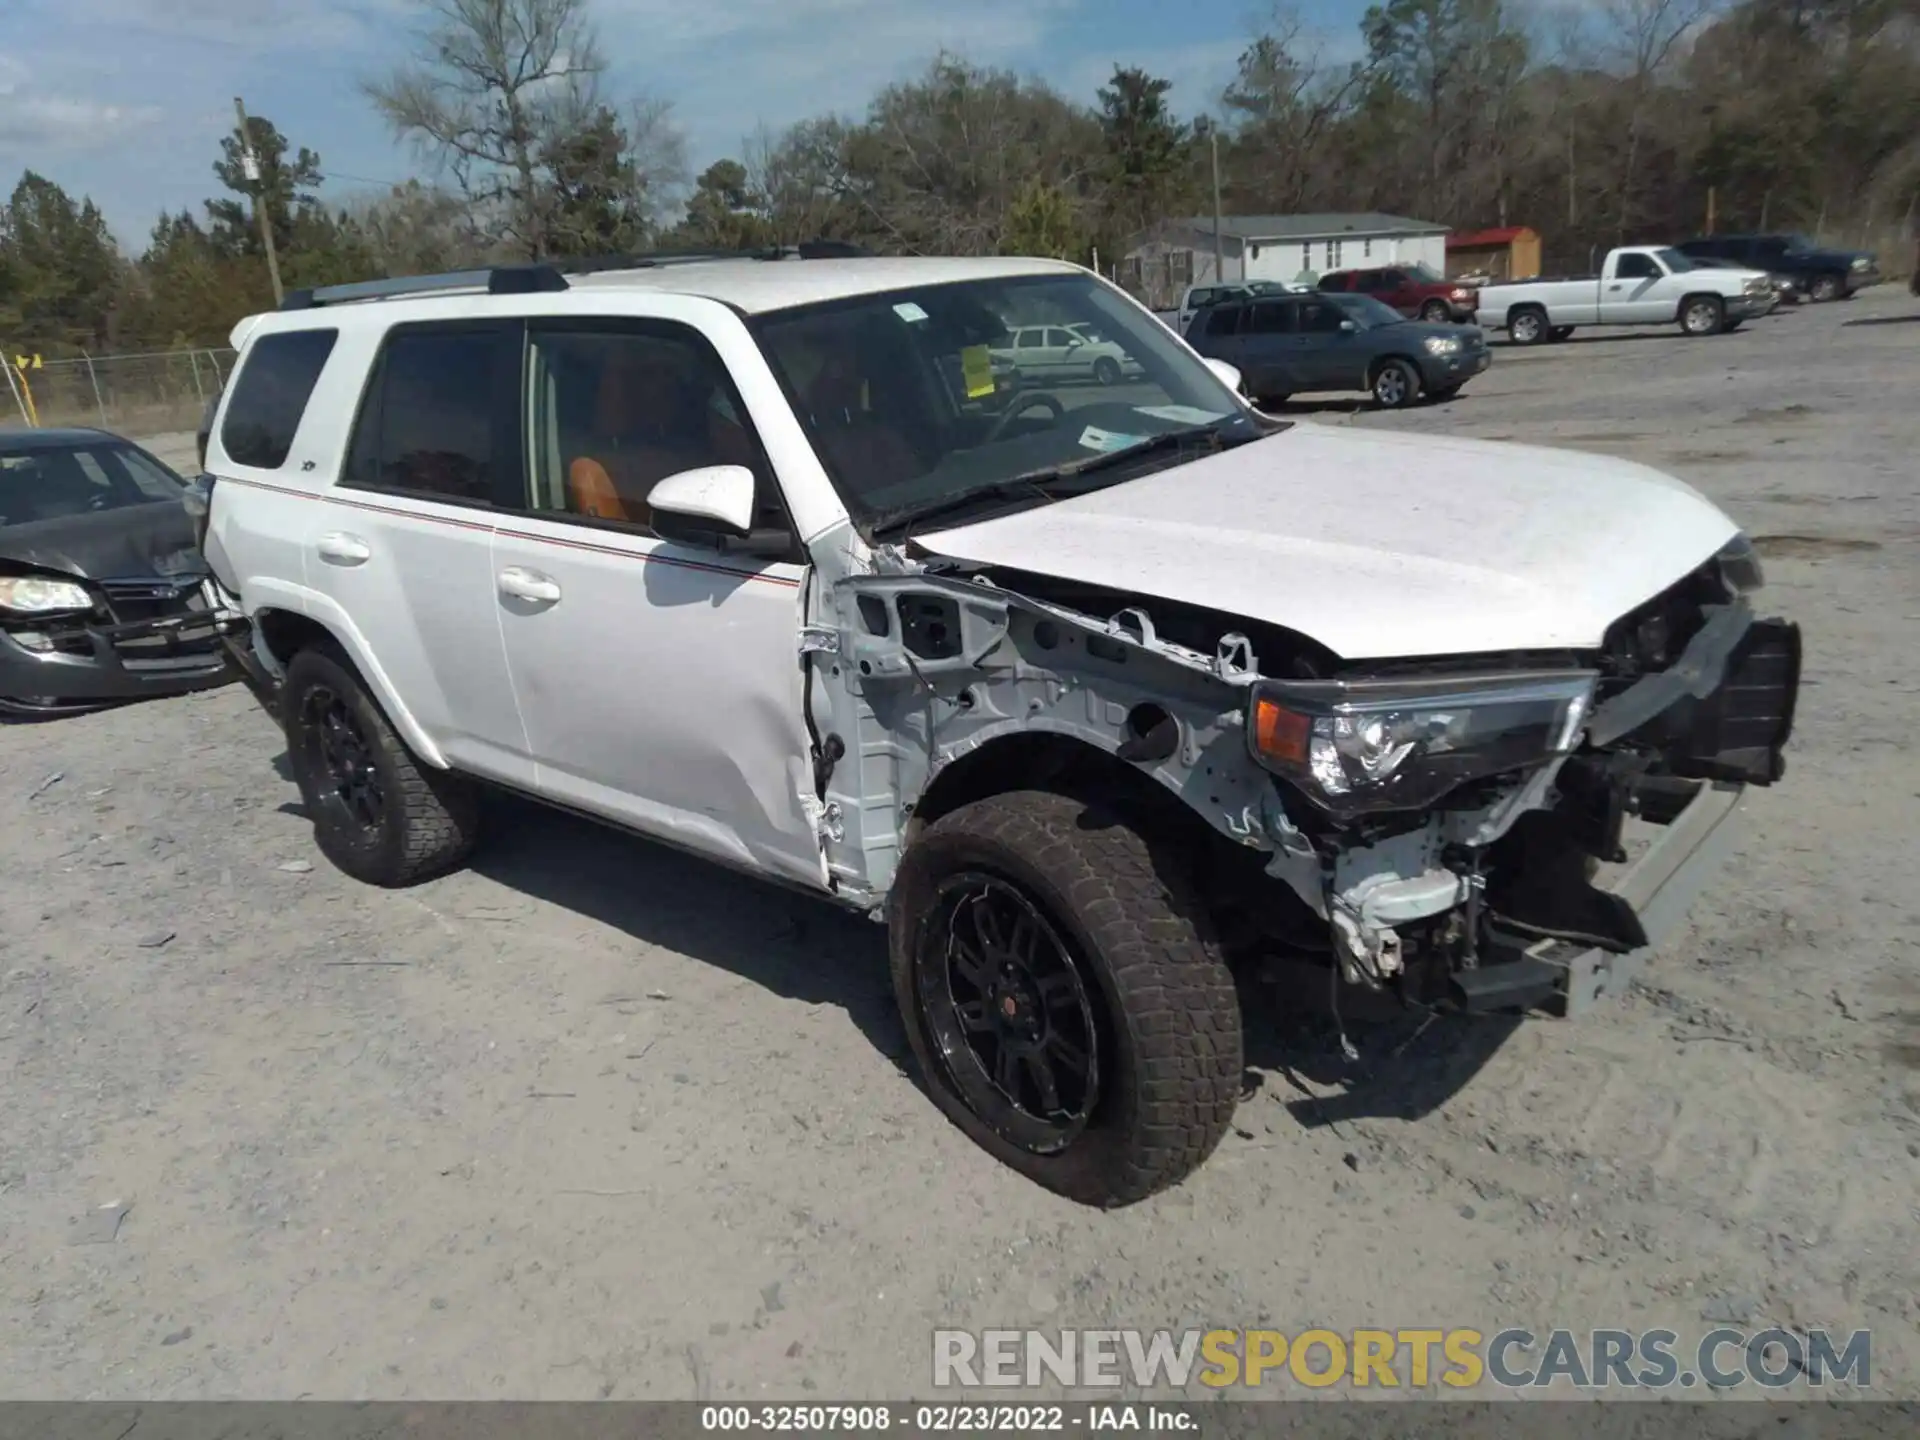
595, 1120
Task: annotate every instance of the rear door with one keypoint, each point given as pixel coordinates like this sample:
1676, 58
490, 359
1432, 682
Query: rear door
403, 548
1270, 348
1390, 287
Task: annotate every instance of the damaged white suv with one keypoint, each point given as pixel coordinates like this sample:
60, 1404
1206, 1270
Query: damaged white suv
1087, 690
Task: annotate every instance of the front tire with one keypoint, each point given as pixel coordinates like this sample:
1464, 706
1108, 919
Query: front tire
1106, 370
1064, 996
1703, 315
1825, 287
1528, 325
1436, 312
378, 814
1395, 385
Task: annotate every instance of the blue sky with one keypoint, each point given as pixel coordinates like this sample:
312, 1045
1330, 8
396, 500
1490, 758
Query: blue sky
126, 99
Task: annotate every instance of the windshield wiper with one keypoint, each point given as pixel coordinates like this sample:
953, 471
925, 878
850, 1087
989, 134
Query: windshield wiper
904, 516
1166, 440
1037, 483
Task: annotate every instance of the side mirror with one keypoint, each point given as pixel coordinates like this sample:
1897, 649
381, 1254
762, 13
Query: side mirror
1348, 327
1229, 374
705, 506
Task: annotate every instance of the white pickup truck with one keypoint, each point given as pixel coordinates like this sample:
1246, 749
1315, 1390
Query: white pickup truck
1639, 285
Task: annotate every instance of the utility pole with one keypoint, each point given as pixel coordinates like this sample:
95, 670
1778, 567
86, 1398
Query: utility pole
1713, 207
1212, 131
250, 167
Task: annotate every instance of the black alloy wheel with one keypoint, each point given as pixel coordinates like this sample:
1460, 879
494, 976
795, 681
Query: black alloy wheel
1010, 1014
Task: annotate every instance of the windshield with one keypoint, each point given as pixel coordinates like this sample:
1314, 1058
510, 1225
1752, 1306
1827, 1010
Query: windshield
1420, 270
1367, 312
916, 399
45, 483
1801, 242
1675, 261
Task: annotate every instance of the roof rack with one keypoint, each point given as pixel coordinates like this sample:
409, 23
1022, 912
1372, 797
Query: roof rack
545, 276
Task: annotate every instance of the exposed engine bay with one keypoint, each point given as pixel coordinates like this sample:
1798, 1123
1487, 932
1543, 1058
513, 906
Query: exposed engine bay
1435, 824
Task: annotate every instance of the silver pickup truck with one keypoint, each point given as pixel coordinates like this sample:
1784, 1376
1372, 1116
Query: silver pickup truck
1638, 285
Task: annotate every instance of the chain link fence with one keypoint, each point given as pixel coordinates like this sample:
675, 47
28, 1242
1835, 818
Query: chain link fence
133, 394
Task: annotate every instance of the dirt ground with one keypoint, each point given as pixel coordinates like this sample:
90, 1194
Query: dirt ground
591, 1119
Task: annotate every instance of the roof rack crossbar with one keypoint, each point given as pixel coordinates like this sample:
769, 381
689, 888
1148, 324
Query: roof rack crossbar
492, 280
542, 276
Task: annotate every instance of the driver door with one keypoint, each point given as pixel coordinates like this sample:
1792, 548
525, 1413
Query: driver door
659, 682
1330, 358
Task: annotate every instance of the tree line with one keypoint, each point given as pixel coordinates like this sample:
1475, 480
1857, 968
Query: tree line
1594, 124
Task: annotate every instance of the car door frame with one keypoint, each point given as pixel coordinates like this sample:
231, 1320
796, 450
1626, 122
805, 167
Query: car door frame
448, 667
722, 716
1635, 299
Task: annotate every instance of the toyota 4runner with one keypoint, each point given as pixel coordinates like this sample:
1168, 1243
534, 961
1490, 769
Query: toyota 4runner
1087, 693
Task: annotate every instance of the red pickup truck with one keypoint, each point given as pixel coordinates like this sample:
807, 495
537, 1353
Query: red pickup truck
1416, 291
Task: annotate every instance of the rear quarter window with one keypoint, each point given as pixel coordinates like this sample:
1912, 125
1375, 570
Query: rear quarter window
270, 396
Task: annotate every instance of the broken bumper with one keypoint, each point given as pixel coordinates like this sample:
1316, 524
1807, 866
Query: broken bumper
1719, 720
63, 667
1659, 886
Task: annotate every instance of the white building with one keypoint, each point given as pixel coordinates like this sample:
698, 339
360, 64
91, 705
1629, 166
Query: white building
1163, 261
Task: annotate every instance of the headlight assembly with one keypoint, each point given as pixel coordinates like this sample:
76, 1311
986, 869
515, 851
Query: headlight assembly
1441, 345
34, 595
1358, 747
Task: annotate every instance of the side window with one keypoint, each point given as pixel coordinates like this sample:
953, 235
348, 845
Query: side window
1028, 340
1274, 317
1224, 319
440, 415
1317, 317
618, 409
1636, 267
1058, 339
271, 395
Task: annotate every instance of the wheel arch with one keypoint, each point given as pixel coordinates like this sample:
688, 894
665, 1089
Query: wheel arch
282, 630
1056, 761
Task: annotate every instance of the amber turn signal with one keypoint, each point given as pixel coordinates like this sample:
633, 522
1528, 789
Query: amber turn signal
1279, 733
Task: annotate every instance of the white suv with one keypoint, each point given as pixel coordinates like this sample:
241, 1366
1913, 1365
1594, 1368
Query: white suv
1089, 692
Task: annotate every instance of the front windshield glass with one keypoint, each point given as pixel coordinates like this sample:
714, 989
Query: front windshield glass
1420, 270
1675, 261
53, 484
1800, 242
1367, 312
916, 399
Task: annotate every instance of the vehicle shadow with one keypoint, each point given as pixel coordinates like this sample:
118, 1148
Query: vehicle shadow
1410, 1061
795, 946
1882, 320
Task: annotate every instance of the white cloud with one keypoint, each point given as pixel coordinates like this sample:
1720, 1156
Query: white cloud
36, 118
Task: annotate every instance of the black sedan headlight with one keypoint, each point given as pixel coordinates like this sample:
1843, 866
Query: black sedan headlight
1359, 747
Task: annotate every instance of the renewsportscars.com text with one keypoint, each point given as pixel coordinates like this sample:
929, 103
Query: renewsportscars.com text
1512, 1359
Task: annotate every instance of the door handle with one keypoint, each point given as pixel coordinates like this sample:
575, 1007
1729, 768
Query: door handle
343, 549
525, 584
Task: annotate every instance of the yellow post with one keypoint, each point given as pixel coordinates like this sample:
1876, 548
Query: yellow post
22, 363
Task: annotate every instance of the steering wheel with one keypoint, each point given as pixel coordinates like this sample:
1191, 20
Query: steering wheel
1019, 405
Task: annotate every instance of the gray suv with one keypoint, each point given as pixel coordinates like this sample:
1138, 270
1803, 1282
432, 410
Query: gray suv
1285, 344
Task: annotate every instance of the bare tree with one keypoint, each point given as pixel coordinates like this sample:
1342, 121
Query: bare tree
1643, 36
498, 84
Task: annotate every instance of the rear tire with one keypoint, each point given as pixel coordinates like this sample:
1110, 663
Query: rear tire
1436, 312
1527, 325
378, 814
1703, 315
1395, 385
1033, 932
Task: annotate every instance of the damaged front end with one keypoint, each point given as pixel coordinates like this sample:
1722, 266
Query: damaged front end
1487, 832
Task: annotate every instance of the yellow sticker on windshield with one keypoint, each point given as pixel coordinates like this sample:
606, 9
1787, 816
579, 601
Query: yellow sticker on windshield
976, 368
